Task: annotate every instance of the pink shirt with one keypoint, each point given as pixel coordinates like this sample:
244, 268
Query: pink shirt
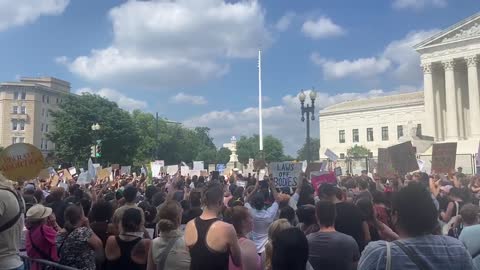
232, 266
44, 239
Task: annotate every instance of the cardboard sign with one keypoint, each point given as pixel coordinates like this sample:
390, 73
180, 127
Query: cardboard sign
319, 178
72, 170
104, 173
21, 161
384, 166
403, 158
285, 174
204, 173
184, 170
172, 169
211, 167
198, 165
55, 180
444, 156
66, 175
156, 167
331, 155
44, 174
194, 172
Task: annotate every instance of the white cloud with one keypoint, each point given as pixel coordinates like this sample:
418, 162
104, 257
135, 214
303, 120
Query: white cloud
284, 22
160, 44
122, 100
281, 121
21, 12
324, 27
399, 60
188, 99
418, 4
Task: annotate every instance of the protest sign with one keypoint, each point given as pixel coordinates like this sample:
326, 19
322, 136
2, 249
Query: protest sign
72, 170
285, 174
115, 167
313, 167
204, 173
55, 180
194, 172
125, 170
83, 178
403, 158
104, 173
338, 171
21, 161
421, 165
220, 168
318, 178
92, 172
261, 174
444, 156
172, 169
211, 167
241, 183
184, 170
198, 165
331, 155
384, 166
44, 174
156, 167
304, 165
66, 175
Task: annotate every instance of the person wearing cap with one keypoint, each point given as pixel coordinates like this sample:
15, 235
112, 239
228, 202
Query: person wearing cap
40, 238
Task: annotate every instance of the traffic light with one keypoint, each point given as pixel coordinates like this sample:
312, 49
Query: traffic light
99, 149
92, 151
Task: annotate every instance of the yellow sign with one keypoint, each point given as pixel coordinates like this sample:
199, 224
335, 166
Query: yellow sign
21, 161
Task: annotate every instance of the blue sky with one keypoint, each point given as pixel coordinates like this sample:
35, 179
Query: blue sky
194, 61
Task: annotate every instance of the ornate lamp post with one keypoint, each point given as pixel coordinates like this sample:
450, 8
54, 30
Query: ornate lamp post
309, 110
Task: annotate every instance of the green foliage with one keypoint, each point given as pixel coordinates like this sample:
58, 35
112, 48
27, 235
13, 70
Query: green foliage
223, 155
358, 151
73, 136
247, 147
314, 150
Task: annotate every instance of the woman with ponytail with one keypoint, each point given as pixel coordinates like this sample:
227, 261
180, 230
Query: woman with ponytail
78, 246
168, 249
242, 221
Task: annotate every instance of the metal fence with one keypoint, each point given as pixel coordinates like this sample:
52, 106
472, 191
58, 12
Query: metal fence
355, 166
43, 264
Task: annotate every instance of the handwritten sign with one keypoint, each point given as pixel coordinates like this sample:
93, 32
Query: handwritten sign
403, 158
184, 170
198, 165
21, 161
444, 156
384, 166
125, 170
104, 173
194, 172
172, 169
285, 174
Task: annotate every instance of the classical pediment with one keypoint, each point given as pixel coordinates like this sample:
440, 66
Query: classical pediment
464, 30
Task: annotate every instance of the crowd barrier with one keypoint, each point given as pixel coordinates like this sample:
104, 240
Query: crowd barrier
43, 264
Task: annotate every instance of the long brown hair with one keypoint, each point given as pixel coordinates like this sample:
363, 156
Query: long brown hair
168, 216
236, 216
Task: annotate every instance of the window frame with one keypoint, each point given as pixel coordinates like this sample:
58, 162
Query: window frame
399, 130
341, 136
370, 137
355, 135
385, 135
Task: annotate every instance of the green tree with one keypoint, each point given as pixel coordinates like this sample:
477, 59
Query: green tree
223, 155
314, 150
248, 147
358, 151
208, 155
73, 136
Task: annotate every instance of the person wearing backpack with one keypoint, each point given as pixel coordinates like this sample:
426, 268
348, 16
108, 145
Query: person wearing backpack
11, 225
40, 238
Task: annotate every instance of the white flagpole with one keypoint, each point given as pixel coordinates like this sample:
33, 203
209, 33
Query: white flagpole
260, 120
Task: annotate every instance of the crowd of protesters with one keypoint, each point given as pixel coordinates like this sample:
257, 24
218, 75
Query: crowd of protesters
240, 222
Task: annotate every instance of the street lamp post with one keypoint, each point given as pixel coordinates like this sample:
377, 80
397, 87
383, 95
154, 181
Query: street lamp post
309, 110
95, 128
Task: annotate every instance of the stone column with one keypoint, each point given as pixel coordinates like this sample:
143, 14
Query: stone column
451, 100
473, 95
429, 123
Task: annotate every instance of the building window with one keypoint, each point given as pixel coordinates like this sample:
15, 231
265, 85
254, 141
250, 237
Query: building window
14, 124
14, 140
15, 110
41, 144
342, 155
24, 95
48, 100
41, 128
355, 135
15, 95
43, 98
369, 134
22, 125
341, 136
46, 145
46, 128
23, 110
419, 130
21, 139
384, 133
399, 131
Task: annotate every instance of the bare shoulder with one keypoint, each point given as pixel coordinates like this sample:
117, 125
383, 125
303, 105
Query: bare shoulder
190, 235
226, 228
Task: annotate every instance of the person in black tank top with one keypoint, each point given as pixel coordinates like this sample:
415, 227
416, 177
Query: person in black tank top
125, 262
203, 256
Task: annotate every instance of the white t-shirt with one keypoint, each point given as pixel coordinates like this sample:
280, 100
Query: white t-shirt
10, 238
261, 221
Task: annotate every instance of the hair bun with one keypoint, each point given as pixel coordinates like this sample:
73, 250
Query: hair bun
166, 225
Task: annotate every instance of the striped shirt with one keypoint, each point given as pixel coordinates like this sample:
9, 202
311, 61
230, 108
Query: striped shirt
438, 252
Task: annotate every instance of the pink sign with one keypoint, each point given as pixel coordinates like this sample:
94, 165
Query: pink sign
319, 178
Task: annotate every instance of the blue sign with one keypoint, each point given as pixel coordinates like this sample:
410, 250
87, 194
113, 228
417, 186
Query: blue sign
220, 167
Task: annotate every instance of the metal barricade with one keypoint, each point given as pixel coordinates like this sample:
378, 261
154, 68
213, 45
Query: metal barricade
43, 264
